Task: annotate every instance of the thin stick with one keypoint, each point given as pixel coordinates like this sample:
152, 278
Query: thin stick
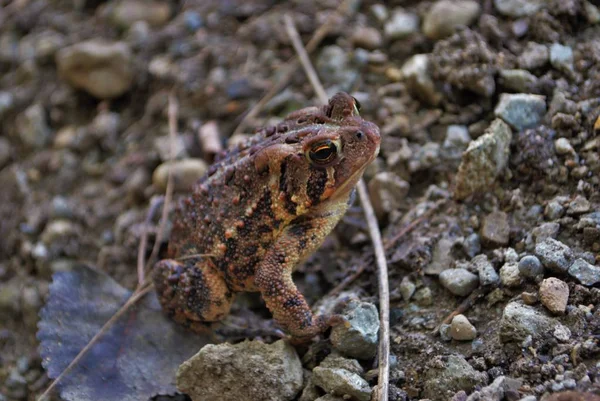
130, 302
382, 270
290, 67
154, 203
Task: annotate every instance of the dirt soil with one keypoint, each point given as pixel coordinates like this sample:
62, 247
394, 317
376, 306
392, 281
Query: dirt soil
79, 155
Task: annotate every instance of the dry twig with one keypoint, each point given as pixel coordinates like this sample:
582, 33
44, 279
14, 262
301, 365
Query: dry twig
382, 271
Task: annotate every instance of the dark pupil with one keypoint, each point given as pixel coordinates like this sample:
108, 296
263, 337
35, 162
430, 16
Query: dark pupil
323, 152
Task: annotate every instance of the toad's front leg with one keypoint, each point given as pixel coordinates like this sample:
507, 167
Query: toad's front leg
274, 278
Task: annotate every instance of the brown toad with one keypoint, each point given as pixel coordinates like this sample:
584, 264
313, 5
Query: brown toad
261, 209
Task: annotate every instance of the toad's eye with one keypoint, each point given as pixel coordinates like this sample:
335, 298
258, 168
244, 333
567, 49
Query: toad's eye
356, 104
322, 152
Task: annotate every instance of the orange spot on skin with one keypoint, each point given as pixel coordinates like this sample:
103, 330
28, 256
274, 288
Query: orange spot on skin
222, 247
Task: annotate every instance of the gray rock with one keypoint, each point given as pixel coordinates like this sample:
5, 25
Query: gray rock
417, 77
518, 8
554, 295
401, 24
520, 321
486, 271
495, 229
334, 361
521, 110
126, 13
334, 67
380, 12
554, 255
518, 80
461, 329
456, 141
103, 69
592, 12
423, 296
496, 391
472, 245
441, 257
483, 160
407, 288
388, 192
545, 231
529, 398
530, 266
33, 128
185, 173
534, 56
444, 16
456, 374
162, 145
554, 210
584, 272
563, 147
561, 57
579, 205
246, 371
358, 337
367, 38
342, 382
7, 102
510, 276
459, 281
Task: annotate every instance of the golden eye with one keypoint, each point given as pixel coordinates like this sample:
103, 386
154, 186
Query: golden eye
323, 152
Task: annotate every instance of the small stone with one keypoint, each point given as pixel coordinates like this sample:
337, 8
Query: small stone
334, 67
461, 329
521, 110
164, 144
441, 256
423, 296
579, 205
367, 38
484, 160
518, 80
529, 298
518, 8
7, 102
388, 192
562, 333
561, 57
251, 370
592, 12
456, 141
487, 273
495, 229
584, 272
554, 210
407, 288
380, 12
554, 255
521, 321
416, 75
563, 147
57, 230
33, 128
509, 275
185, 173
444, 16
401, 24
103, 69
530, 266
357, 337
128, 12
449, 376
460, 281
342, 382
545, 231
554, 294
534, 56
338, 362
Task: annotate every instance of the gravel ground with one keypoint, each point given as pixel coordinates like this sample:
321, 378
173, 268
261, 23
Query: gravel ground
489, 112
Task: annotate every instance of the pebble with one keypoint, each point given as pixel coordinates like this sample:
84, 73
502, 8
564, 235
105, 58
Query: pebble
563, 147
518, 80
416, 75
367, 38
251, 370
7, 102
545, 231
126, 13
485, 158
357, 337
452, 374
401, 24
33, 128
185, 173
444, 16
521, 321
57, 230
521, 110
530, 266
388, 192
554, 294
554, 255
380, 12
518, 8
334, 67
510, 276
472, 245
584, 272
534, 56
163, 144
530, 298
407, 288
441, 256
424, 296
554, 210
561, 57
456, 141
461, 329
495, 229
342, 382
103, 69
579, 205
486, 271
459, 281
592, 12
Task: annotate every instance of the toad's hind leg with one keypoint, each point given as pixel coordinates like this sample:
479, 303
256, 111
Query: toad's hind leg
192, 292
